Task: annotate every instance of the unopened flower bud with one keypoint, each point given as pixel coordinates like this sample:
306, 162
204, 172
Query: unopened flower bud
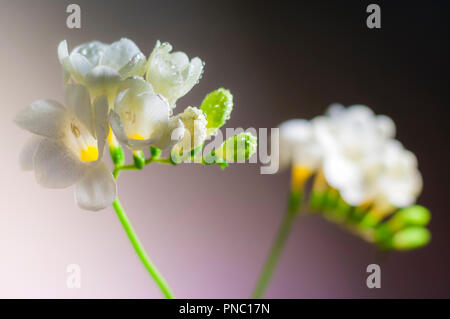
139, 159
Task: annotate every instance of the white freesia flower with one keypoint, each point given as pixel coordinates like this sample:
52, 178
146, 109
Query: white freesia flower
68, 146
171, 73
142, 118
195, 134
355, 150
100, 66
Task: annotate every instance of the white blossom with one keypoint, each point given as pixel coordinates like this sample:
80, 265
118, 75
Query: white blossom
172, 74
356, 151
102, 66
67, 146
142, 118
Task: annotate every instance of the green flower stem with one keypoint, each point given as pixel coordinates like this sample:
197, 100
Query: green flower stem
118, 169
157, 277
278, 245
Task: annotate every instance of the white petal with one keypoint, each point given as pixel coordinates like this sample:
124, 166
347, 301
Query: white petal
78, 65
335, 110
97, 189
296, 131
79, 102
297, 143
386, 126
359, 111
27, 153
136, 85
135, 67
63, 51
56, 166
340, 172
354, 196
195, 73
308, 155
92, 51
180, 59
120, 53
173, 133
43, 117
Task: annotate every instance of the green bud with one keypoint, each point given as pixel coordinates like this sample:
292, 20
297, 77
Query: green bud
139, 159
155, 152
217, 107
415, 215
117, 155
238, 148
410, 238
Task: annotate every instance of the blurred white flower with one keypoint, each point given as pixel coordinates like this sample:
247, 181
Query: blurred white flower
195, 134
171, 73
100, 66
142, 118
352, 139
68, 146
357, 154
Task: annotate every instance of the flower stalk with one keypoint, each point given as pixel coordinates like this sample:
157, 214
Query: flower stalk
140, 251
278, 245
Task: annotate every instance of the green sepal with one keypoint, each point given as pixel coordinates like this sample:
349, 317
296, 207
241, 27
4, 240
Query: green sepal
239, 147
117, 155
155, 152
139, 159
217, 107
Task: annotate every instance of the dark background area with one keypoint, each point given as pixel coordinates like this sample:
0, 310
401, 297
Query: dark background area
282, 60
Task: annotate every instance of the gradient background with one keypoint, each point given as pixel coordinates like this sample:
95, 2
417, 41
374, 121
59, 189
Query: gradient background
209, 230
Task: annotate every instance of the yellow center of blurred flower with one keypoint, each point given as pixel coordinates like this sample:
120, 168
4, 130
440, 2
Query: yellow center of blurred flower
90, 154
299, 176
